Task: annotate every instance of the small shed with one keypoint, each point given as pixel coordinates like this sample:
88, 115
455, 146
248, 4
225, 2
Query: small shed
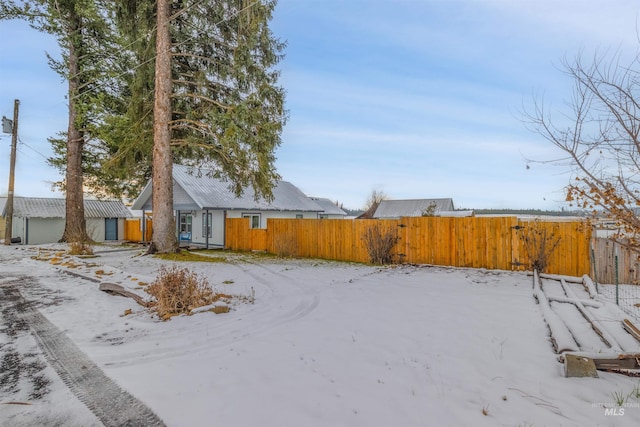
41, 220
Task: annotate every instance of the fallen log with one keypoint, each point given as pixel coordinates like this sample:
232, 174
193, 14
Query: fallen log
598, 328
561, 337
558, 277
586, 303
631, 328
112, 288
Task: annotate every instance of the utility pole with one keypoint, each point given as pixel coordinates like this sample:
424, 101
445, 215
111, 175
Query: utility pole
12, 168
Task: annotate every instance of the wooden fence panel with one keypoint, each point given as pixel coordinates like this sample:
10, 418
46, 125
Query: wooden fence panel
572, 253
133, 230
359, 229
239, 236
478, 242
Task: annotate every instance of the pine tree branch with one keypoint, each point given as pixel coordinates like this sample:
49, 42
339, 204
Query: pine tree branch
202, 98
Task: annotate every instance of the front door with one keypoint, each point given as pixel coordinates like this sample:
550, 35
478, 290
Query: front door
111, 229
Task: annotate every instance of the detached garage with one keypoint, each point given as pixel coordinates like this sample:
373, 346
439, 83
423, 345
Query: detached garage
41, 220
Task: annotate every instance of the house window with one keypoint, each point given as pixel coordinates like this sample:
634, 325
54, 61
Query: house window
298, 216
185, 222
323, 216
206, 225
254, 220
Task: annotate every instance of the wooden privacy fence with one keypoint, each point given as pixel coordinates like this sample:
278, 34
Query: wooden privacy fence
478, 242
605, 251
133, 230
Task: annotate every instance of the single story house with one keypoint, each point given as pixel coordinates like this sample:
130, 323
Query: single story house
329, 209
38, 220
202, 204
394, 209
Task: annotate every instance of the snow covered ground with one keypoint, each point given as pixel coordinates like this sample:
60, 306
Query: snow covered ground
323, 344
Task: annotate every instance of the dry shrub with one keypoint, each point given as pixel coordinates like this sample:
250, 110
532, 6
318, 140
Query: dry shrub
178, 290
540, 241
286, 245
80, 248
380, 242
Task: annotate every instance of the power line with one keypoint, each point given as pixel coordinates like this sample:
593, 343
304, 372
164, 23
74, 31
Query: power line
32, 149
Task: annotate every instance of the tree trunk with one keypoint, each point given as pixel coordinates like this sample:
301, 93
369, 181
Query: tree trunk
164, 231
75, 230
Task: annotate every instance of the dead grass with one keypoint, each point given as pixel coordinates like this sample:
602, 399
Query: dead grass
80, 248
184, 256
103, 273
178, 290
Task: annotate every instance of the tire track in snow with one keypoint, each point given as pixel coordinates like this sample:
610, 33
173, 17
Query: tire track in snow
297, 305
112, 405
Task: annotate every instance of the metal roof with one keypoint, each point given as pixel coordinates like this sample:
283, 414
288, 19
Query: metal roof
194, 186
40, 207
415, 207
328, 206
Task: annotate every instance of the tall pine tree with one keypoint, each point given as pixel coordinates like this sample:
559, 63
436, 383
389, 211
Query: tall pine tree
226, 108
81, 28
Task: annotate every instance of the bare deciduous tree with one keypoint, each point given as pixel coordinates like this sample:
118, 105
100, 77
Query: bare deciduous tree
370, 206
599, 134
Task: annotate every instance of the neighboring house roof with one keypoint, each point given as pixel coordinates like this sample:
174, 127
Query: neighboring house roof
194, 190
328, 207
457, 214
40, 207
415, 207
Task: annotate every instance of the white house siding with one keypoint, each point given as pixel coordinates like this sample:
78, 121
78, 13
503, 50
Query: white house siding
39, 230
217, 228
36, 231
265, 215
329, 216
18, 229
96, 228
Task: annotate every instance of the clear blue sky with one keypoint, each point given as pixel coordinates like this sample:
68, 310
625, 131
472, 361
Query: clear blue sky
417, 98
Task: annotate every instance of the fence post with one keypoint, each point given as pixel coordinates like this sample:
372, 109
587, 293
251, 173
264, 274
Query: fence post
616, 264
595, 273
